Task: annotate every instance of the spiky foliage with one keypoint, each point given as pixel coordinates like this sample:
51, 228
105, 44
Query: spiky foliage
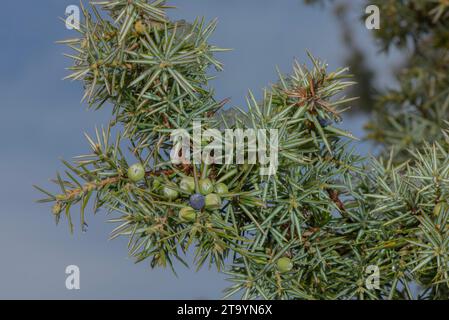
414, 112
310, 231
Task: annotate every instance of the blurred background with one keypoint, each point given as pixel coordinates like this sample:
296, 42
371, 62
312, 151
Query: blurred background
42, 120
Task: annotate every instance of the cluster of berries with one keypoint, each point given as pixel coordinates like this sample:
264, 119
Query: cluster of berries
206, 195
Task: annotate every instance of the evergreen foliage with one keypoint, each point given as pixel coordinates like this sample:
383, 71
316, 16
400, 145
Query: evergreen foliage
311, 230
413, 113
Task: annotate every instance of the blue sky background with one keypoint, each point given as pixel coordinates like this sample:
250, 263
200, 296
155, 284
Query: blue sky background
42, 120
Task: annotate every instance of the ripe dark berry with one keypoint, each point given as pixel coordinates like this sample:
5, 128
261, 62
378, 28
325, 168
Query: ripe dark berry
284, 264
197, 201
136, 172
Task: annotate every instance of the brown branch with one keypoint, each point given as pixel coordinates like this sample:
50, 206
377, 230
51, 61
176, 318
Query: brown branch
334, 196
74, 193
